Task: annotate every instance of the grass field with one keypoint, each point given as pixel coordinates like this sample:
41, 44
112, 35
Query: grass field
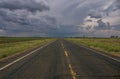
13, 45
108, 45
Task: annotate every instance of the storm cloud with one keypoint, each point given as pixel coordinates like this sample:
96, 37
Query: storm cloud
30, 5
118, 4
95, 14
59, 17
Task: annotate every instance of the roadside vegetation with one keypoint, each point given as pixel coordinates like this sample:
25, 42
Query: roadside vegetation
15, 45
108, 45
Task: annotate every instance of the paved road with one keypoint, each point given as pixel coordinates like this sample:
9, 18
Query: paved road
61, 60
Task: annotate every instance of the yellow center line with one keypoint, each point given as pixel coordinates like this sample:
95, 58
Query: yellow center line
66, 54
72, 72
68, 61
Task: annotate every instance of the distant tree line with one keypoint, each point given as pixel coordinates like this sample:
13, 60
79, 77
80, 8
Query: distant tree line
114, 36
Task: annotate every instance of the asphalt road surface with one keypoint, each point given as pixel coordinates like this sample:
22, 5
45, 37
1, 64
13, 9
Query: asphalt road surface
61, 60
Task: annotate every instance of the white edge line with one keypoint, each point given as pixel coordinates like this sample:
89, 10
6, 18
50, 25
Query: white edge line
23, 57
99, 53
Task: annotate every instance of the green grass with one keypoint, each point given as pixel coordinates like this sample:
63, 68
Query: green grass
17, 39
13, 45
109, 45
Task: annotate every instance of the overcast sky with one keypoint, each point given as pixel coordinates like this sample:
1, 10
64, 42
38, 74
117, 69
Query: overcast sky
59, 18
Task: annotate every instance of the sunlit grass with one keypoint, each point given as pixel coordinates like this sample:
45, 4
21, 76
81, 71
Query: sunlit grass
108, 45
17, 45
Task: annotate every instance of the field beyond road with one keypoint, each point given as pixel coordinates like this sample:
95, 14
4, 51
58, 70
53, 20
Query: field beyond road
107, 45
15, 45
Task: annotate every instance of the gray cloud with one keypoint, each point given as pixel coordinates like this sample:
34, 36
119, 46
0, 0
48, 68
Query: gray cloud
118, 4
88, 20
30, 5
14, 16
19, 22
103, 25
59, 17
95, 14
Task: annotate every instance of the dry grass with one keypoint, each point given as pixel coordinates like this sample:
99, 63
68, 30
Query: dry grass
10, 46
108, 45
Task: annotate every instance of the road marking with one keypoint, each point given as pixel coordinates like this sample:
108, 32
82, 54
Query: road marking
72, 72
68, 61
23, 57
100, 53
66, 54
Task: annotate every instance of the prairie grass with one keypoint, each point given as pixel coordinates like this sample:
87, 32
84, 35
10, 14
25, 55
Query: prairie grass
10, 46
109, 45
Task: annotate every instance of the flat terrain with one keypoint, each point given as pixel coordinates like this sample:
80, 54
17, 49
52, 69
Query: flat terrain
14, 45
61, 60
107, 45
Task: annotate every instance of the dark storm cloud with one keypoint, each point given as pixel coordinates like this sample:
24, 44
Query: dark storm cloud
31, 24
95, 14
14, 16
57, 17
23, 22
118, 4
88, 20
30, 5
103, 25
65, 31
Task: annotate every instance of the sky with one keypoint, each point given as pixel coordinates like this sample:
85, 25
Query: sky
60, 18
